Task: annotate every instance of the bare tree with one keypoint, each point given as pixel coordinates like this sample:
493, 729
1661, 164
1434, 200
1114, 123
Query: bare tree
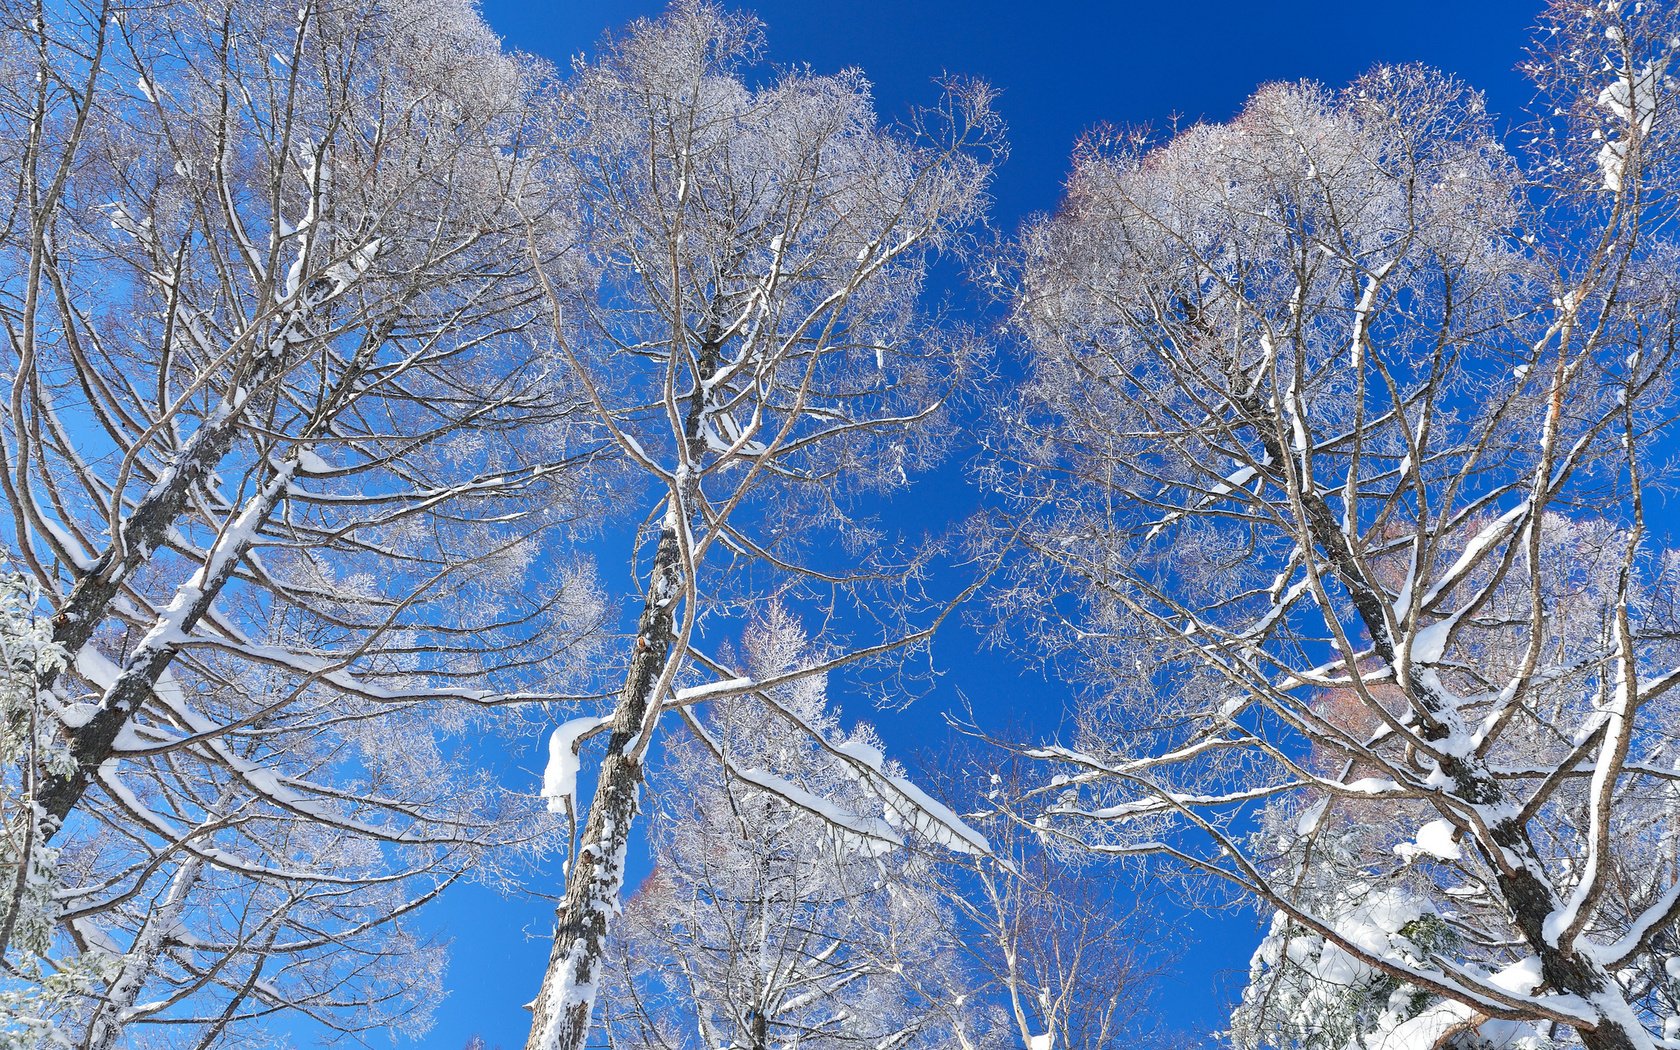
278, 452
1340, 433
748, 335
782, 909
1067, 954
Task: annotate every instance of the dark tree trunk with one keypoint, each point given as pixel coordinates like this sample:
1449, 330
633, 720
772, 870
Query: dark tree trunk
141, 533
1531, 900
563, 1007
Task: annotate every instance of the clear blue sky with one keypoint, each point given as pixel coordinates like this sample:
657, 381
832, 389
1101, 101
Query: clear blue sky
1063, 68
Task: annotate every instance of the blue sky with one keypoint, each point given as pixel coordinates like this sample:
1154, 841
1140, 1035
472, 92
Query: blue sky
1063, 67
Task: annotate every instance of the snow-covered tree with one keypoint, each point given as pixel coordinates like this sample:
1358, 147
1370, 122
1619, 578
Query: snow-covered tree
1064, 954
277, 453
1335, 455
748, 334
783, 908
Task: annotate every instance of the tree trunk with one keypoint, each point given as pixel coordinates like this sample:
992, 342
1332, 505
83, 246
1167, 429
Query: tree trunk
594, 883
595, 880
141, 533
1530, 899
93, 742
1564, 969
147, 528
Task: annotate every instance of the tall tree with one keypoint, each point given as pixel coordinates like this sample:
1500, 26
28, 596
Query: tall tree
749, 338
1340, 431
278, 452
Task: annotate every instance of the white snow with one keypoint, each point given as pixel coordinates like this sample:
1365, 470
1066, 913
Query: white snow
1362, 312
1430, 643
68, 544
711, 690
1434, 839
916, 808
1311, 817
871, 836
1484, 541
1519, 978
560, 775
310, 463
1635, 105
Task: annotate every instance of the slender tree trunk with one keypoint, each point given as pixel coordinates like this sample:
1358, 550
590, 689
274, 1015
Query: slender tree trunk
595, 880
146, 529
142, 532
25, 829
94, 741
562, 1011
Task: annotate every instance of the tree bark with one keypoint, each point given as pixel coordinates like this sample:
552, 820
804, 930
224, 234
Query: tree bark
141, 533
146, 529
563, 1008
108, 1019
562, 1011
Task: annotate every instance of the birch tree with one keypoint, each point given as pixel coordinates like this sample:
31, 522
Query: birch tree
751, 343
1341, 436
